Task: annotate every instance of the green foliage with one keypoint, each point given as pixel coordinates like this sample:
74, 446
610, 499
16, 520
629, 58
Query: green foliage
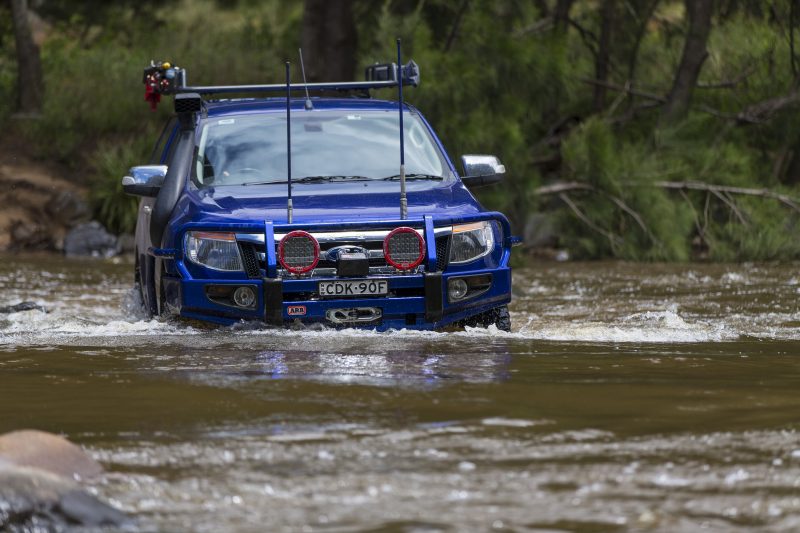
89, 96
630, 218
111, 161
765, 236
8, 66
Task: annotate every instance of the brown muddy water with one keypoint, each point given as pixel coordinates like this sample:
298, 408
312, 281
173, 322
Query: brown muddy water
628, 397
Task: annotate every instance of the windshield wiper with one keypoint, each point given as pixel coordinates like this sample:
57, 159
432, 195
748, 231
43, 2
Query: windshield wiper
263, 182
317, 179
414, 177
311, 179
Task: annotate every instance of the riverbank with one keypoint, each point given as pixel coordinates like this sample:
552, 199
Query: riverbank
46, 207
38, 206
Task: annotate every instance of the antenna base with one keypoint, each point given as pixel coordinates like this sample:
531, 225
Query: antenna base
403, 197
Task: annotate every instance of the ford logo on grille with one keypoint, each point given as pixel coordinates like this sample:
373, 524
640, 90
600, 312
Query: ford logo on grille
333, 253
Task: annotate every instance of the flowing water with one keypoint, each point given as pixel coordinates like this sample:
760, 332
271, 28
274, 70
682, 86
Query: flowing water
628, 397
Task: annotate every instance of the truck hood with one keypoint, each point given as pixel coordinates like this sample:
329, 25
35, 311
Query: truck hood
327, 202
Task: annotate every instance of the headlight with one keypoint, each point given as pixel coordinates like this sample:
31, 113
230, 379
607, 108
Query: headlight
213, 250
471, 242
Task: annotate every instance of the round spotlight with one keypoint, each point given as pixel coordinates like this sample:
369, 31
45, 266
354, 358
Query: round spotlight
244, 297
404, 248
298, 252
457, 289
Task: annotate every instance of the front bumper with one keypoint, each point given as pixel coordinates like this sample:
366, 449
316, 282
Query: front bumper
415, 301
280, 301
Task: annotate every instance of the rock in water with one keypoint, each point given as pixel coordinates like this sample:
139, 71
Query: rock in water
127, 243
30, 236
541, 231
49, 452
23, 306
38, 488
90, 240
36, 500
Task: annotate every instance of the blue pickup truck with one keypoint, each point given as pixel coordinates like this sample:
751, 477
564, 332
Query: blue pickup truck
286, 209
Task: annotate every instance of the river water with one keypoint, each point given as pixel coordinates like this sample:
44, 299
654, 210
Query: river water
627, 397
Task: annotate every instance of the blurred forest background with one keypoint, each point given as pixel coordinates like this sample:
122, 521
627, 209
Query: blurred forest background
636, 129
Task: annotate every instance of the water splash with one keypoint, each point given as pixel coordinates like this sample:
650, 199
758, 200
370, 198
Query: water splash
571, 303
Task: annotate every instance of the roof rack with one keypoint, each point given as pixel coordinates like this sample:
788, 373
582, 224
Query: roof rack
161, 78
340, 86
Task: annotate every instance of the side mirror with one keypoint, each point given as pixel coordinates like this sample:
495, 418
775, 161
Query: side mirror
144, 180
482, 170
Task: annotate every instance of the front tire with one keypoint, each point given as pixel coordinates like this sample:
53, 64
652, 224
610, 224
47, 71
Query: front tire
499, 317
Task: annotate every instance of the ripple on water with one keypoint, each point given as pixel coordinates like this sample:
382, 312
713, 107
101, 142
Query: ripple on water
580, 476
209, 439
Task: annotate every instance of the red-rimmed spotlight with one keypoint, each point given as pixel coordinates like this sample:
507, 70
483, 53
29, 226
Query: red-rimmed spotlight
404, 248
298, 252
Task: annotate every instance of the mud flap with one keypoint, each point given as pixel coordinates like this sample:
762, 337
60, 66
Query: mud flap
434, 297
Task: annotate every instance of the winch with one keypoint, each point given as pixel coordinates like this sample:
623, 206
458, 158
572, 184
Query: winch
355, 315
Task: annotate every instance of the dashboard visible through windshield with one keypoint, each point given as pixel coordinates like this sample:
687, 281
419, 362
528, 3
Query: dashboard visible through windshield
326, 146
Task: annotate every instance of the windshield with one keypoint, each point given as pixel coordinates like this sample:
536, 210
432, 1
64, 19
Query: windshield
326, 145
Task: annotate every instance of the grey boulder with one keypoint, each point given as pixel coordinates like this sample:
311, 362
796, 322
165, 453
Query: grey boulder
34, 499
91, 240
39, 487
22, 306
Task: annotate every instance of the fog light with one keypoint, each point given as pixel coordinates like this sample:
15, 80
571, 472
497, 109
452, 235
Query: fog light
457, 289
244, 297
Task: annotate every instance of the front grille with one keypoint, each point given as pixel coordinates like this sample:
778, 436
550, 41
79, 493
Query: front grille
253, 252
250, 260
374, 249
371, 241
442, 252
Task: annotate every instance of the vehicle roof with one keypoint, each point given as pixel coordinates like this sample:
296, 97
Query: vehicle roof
248, 105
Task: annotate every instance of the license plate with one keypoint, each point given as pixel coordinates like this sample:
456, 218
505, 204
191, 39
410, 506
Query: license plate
355, 287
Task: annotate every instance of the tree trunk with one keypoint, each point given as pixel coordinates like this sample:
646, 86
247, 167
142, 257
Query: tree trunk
541, 5
694, 54
602, 58
641, 31
30, 87
329, 40
791, 176
561, 15
451, 37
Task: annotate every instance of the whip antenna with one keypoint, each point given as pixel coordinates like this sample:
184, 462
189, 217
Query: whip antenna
288, 143
308, 104
403, 199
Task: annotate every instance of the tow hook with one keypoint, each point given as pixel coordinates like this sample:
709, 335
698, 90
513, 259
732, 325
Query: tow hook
357, 315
